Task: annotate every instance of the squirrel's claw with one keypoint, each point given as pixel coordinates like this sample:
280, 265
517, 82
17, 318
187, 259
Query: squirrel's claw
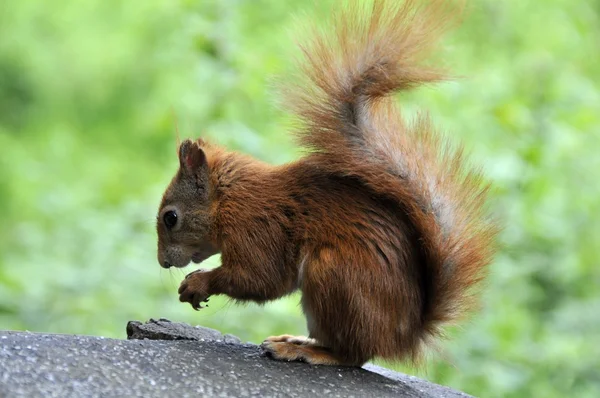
193, 290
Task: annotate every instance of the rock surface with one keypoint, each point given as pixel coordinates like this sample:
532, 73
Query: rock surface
168, 359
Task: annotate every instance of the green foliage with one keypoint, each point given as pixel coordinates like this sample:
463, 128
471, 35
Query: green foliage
91, 92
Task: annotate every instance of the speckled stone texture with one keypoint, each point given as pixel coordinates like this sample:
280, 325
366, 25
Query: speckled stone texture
167, 359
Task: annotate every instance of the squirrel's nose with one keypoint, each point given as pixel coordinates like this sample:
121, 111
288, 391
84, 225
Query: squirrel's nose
166, 264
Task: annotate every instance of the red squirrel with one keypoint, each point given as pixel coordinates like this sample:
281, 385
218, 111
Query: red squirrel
382, 225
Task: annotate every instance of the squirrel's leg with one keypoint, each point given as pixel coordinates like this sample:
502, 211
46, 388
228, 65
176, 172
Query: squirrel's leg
235, 281
333, 322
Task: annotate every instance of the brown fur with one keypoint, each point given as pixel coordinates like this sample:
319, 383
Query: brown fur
382, 226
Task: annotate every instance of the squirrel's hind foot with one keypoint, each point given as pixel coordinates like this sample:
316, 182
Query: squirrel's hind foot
299, 348
288, 338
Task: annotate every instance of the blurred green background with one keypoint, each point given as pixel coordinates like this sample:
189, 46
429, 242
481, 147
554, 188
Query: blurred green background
91, 91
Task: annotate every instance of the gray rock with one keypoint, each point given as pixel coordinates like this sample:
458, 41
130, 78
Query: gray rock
168, 359
163, 329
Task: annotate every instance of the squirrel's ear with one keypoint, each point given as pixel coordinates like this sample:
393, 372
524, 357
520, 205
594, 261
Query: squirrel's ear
191, 156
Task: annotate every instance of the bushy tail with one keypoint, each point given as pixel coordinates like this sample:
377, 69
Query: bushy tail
350, 120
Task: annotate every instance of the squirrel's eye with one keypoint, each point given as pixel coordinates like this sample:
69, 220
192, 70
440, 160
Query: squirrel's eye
170, 219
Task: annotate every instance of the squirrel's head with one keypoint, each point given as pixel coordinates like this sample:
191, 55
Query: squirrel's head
184, 218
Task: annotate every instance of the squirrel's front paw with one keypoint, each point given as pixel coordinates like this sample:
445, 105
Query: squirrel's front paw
194, 289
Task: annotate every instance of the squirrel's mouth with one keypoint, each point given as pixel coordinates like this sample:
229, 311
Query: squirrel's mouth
198, 257
203, 252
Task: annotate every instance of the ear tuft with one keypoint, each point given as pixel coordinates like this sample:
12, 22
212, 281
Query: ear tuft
191, 156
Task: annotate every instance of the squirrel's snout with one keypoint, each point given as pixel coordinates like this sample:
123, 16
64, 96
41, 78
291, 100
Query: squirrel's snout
173, 256
162, 261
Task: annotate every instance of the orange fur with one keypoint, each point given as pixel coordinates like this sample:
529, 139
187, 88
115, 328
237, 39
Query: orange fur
382, 227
